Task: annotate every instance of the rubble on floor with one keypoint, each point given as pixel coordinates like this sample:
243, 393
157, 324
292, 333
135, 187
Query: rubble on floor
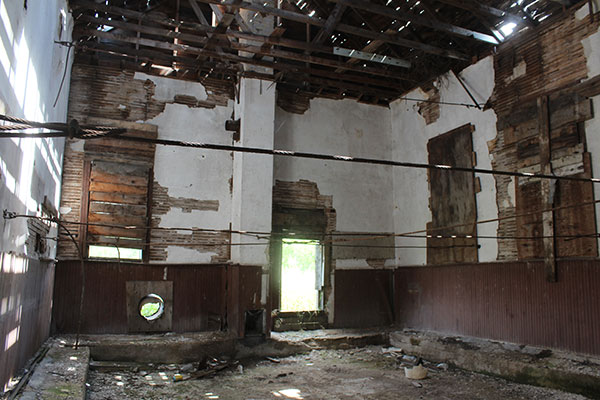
372, 372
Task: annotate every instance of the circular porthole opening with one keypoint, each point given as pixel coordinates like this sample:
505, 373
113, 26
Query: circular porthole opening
151, 307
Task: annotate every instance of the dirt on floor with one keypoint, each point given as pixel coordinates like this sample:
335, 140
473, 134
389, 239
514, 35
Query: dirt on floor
372, 372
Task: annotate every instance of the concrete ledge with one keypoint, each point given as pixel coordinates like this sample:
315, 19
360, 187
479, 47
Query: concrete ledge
61, 374
551, 368
160, 349
283, 344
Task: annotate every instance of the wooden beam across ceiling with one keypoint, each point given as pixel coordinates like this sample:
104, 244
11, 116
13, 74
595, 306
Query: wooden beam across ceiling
349, 29
153, 56
215, 32
162, 45
418, 20
168, 34
298, 17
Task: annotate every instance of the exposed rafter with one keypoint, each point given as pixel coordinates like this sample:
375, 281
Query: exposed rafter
372, 51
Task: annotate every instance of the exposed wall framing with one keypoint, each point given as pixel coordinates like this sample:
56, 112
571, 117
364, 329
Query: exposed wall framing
548, 61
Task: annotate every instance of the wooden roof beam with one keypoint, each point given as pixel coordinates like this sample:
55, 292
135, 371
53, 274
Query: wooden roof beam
167, 34
416, 19
252, 49
298, 17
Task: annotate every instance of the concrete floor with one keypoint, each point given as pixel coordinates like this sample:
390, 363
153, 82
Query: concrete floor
362, 373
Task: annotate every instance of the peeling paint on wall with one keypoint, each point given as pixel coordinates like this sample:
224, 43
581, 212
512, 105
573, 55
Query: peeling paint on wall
430, 110
162, 203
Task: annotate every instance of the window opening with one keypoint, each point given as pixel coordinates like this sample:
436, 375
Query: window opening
114, 252
301, 275
151, 307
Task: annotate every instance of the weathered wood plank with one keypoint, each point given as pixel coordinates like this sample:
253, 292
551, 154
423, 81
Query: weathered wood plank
117, 209
117, 232
452, 199
120, 179
116, 187
123, 198
547, 189
125, 220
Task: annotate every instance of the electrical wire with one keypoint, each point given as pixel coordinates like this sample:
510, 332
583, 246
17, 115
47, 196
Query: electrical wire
362, 160
97, 132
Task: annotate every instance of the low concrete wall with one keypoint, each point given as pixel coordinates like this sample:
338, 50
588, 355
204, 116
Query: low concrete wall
523, 364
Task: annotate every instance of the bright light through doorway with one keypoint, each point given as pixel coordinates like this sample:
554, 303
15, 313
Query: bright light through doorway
299, 263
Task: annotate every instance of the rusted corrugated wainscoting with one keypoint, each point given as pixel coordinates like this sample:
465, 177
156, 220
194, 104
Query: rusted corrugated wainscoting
363, 298
26, 285
505, 301
200, 295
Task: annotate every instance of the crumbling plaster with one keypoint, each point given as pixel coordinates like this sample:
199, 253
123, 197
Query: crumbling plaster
410, 135
362, 193
192, 173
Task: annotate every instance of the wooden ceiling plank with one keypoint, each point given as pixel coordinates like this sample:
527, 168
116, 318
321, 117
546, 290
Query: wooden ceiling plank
239, 47
232, 57
298, 17
418, 20
332, 21
393, 39
263, 50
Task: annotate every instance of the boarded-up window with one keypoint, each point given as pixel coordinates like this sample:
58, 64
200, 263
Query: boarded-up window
574, 222
573, 226
452, 199
117, 209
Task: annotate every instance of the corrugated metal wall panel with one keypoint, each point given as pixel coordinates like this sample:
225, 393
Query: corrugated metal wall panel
199, 295
26, 287
505, 301
363, 298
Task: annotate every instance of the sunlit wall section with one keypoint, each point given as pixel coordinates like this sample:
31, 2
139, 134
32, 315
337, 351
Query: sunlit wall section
32, 66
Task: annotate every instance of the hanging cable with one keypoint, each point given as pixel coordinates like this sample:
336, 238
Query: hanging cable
98, 132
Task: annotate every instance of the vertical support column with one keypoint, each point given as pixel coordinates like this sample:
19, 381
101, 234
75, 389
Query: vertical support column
253, 179
548, 188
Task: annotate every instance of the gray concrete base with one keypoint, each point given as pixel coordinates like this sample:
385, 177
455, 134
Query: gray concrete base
283, 344
524, 364
158, 348
61, 374
192, 347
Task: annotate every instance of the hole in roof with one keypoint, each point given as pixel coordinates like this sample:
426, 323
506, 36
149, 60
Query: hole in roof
508, 28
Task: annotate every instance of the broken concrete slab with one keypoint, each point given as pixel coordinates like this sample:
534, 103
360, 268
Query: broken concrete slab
61, 374
523, 364
334, 338
158, 348
283, 344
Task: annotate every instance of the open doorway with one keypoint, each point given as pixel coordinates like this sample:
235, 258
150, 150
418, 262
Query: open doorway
301, 275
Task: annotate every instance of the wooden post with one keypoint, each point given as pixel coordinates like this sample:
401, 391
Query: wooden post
548, 188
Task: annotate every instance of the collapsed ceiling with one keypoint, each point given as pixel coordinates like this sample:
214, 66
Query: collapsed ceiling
371, 51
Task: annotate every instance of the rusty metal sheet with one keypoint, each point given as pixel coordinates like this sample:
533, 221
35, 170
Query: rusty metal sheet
198, 295
505, 301
26, 288
363, 298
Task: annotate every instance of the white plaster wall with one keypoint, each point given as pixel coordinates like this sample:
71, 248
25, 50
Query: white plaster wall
362, 193
253, 174
410, 135
31, 68
192, 173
